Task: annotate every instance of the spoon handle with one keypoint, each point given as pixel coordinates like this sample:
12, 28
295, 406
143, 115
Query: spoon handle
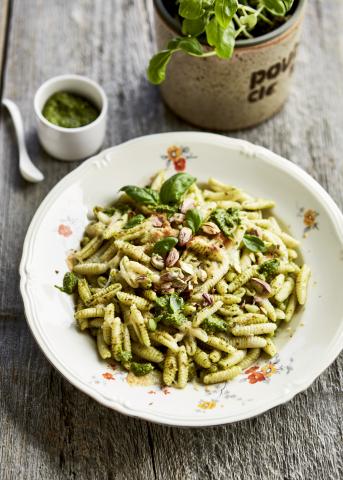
27, 169
17, 122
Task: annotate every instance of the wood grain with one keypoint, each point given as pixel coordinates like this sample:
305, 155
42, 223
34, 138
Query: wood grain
4, 18
48, 429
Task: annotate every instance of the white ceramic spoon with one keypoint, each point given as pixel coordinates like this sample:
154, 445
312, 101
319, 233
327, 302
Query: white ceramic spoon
26, 167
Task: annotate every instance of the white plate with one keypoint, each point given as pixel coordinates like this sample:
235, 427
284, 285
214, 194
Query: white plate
309, 344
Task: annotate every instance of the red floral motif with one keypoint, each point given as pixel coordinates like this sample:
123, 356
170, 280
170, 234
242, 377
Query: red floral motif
108, 376
64, 230
259, 374
256, 377
178, 157
180, 164
252, 369
165, 390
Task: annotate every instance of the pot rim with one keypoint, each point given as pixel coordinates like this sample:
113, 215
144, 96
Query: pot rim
249, 42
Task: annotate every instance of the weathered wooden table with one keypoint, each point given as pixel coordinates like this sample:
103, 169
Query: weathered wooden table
48, 429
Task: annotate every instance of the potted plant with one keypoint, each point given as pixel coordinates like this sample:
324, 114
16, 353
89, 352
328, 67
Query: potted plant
225, 64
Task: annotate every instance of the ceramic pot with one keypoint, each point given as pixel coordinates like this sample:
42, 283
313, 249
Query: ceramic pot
219, 94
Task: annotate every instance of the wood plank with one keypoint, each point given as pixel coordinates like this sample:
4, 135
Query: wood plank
4, 18
50, 430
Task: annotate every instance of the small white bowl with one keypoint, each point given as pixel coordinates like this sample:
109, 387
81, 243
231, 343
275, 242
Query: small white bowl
71, 143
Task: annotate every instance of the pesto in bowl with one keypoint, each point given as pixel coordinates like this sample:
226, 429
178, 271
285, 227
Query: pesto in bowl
69, 110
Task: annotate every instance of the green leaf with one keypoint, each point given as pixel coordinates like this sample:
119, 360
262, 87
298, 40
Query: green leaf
222, 39
140, 369
146, 195
278, 7
70, 281
191, 9
136, 220
175, 187
194, 27
227, 220
224, 11
158, 65
189, 45
162, 247
270, 267
163, 208
193, 219
254, 244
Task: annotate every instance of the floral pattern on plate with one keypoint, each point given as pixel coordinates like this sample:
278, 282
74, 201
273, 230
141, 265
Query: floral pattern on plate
260, 387
177, 156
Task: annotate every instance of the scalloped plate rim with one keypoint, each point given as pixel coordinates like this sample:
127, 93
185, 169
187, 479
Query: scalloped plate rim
330, 207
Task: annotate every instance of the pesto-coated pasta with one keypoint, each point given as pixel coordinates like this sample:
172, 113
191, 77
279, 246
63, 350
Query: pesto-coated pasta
222, 376
191, 280
232, 359
170, 368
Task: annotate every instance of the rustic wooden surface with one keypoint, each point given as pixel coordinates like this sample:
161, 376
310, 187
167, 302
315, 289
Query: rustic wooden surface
48, 429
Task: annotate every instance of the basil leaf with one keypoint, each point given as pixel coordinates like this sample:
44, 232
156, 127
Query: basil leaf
163, 208
278, 7
136, 220
254, 244
156, 71
190, 9
162, 247
224, 11
188, 45
193, 219
194, 27
175, 187
145, 195
227, 220
222, 39
70, 281
270, 267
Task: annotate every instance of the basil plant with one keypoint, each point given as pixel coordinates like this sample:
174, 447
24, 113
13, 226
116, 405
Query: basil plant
218, 23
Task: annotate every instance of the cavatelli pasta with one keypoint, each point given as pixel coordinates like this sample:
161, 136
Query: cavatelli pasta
170, 368
195, 285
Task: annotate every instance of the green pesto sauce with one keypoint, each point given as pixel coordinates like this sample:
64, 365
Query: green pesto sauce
69, 110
